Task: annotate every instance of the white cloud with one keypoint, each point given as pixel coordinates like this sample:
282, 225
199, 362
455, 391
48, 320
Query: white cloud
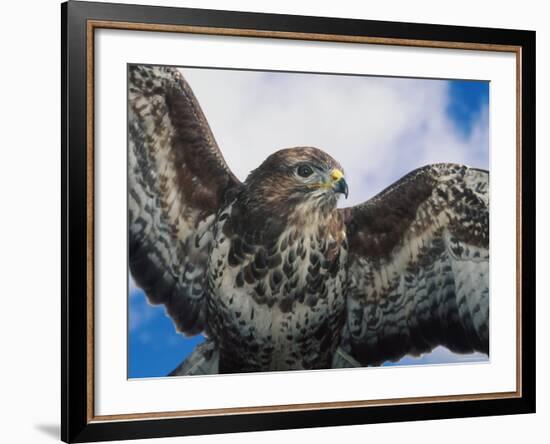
440, 355
377, 128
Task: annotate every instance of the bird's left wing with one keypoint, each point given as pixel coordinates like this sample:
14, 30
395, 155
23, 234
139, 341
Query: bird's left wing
418, 273
177, 181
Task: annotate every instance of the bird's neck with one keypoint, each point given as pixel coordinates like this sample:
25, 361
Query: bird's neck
270, 224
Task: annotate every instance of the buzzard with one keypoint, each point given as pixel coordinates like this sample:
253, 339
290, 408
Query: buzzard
272, 273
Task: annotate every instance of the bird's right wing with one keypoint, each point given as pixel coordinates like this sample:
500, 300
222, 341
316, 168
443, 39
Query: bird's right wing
177, 181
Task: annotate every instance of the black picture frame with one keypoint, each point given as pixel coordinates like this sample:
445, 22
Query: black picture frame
77, 423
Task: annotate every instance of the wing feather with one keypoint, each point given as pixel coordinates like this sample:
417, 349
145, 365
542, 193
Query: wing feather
177, 181
418, 273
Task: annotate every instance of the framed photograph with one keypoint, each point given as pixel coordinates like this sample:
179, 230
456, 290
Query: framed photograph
275, 221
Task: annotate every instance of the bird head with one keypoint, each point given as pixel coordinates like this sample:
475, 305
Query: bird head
304, 176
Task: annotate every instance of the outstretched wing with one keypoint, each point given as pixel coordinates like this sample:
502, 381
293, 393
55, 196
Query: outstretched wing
418, 272
177, 181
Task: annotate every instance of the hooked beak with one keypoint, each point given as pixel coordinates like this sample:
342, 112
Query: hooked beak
339, 184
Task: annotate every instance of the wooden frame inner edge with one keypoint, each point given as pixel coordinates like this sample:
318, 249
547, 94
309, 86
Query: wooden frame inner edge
91, 25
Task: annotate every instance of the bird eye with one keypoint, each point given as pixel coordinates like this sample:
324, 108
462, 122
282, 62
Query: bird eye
305, 171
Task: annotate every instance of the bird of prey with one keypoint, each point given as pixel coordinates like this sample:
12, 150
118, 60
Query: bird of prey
272, 273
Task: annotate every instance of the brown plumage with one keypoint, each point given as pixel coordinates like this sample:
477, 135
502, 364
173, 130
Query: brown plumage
272, 272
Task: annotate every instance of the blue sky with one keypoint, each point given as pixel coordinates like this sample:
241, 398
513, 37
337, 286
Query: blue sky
466, 100
154, 346
378, 128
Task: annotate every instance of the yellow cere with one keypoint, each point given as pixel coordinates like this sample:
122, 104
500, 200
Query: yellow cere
336, 175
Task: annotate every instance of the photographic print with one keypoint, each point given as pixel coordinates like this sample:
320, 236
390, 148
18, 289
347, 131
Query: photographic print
298, 201
285, 221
